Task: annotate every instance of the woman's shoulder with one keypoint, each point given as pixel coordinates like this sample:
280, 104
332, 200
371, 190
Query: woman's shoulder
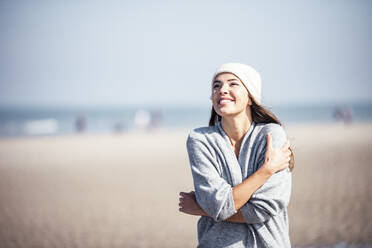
203, 133
270, 128
276, 132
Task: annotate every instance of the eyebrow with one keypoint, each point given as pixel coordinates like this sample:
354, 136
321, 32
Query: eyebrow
229, 80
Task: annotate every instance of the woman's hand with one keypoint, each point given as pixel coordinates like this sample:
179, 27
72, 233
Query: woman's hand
276, 159
189, 205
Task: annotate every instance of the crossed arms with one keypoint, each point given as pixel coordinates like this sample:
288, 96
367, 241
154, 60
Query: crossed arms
262, 195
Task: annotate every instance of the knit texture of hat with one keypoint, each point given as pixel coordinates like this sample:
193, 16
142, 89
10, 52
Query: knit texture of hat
247, 75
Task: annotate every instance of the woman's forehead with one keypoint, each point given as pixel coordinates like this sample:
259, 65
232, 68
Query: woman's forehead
225, 76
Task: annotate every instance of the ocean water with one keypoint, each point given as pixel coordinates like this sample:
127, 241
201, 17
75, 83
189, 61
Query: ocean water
32, 121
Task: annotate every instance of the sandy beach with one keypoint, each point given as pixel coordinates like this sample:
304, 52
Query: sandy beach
122, 190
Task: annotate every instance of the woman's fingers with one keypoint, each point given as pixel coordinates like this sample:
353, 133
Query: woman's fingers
187, 194
185, 197
285, 165
286, 146
287, 157
186, 201
182, 203
283, 160
288, 153
279, 158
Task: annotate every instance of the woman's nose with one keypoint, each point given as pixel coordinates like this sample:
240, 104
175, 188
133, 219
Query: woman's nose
223, 89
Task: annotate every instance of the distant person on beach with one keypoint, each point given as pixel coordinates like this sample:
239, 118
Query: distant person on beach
142, 119
241, 166
156, 119
80, 123
119, 127
344, 114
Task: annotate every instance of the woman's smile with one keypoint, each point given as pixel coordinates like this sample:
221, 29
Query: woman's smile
224, 101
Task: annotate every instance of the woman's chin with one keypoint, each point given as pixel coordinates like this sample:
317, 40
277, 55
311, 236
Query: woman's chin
227, 113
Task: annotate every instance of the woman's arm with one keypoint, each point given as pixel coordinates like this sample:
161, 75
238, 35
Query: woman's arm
275, 160
189, 205
273, 196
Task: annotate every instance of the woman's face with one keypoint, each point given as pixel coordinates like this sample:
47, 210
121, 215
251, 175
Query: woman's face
229, 95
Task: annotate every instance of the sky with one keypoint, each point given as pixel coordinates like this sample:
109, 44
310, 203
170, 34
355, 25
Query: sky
98, 53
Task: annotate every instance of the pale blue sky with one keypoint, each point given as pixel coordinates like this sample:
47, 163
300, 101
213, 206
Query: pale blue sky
165, 52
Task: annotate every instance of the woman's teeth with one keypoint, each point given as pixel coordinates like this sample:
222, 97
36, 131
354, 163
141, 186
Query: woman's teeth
225, 101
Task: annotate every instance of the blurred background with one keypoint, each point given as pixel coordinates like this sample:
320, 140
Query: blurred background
97, 99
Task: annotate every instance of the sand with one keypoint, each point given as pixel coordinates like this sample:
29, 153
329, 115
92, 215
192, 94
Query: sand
122, 190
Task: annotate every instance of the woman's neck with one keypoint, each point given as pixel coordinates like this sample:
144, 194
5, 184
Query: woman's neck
236, 127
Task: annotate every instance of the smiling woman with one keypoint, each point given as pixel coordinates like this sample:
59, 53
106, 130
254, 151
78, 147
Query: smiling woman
241, 167
234, 102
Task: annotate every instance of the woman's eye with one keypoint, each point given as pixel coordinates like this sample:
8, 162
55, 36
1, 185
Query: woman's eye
216, 86
234, 84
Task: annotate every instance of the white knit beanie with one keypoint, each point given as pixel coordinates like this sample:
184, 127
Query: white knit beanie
247, 75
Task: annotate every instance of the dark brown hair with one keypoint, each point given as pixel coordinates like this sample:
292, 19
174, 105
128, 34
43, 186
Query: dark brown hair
259, 115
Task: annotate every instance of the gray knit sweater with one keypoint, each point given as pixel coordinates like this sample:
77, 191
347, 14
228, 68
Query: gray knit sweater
215, 170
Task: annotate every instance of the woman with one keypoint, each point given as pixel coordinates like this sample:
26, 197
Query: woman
241, 167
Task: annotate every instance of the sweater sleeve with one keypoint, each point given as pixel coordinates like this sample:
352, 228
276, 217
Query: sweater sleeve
213, 193
272, 197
